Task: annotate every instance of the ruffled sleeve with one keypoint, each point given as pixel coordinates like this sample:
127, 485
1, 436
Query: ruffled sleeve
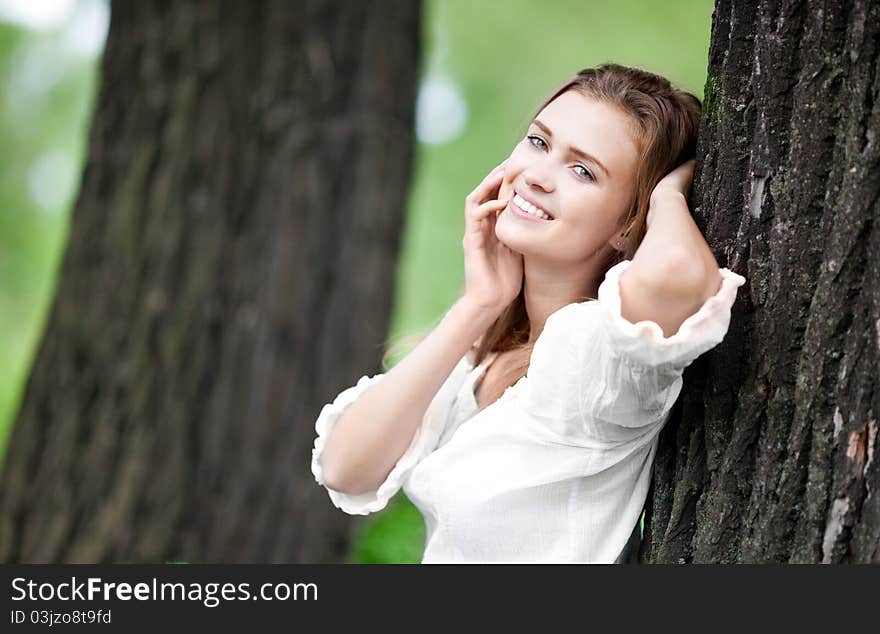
644, 343
424, 441
591, 365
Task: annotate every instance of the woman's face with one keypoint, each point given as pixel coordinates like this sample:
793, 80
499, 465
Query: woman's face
586, 196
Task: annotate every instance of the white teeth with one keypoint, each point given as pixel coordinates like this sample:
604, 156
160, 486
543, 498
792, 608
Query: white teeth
529, 208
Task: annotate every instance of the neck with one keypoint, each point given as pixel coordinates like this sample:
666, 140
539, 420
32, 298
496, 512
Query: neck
548, 286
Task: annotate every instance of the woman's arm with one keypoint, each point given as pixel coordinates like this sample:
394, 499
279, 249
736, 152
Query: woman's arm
673, 272
375, 430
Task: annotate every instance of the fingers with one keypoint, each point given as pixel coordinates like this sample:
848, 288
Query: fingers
690, 166
682, 168
488, 187
482, 230
481, 204
487, 209
680, 178
688, 169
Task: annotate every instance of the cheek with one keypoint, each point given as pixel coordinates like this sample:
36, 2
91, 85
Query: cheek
513, 168
586, 214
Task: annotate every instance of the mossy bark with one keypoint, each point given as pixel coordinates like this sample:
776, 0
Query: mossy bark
230, 264
771, 452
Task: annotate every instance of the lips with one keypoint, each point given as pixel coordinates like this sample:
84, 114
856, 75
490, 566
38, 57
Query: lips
516, 211
534, 203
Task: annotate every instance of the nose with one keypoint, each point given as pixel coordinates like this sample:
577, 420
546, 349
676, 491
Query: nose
538, 175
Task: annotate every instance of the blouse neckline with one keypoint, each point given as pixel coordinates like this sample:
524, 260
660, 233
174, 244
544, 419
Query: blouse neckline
478, 372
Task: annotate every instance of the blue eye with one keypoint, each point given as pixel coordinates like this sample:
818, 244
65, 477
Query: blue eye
532, 139
586, 173
539, 143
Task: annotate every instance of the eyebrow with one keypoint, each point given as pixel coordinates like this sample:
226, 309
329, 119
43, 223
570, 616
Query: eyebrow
574, 150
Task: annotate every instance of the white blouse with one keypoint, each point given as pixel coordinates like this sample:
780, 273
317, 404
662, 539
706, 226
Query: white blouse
557, 469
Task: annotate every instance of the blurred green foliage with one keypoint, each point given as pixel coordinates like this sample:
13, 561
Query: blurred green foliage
504, 56
46, 95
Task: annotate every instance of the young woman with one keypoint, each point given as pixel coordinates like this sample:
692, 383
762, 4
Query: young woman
524, 426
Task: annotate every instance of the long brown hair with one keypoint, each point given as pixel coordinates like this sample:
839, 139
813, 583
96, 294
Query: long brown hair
666, 123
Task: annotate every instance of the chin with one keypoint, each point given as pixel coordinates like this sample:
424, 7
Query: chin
511, 234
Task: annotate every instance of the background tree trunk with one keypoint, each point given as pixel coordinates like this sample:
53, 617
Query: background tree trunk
230, 263
771, 454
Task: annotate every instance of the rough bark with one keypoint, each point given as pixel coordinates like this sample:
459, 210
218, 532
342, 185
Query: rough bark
771, 454
230, 263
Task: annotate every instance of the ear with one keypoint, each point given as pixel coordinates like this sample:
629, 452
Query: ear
618, 241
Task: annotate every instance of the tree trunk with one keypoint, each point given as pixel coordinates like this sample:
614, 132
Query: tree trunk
771, 452
230, 263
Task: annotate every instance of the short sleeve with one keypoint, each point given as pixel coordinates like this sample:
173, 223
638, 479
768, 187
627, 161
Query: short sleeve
424, 441
591, 365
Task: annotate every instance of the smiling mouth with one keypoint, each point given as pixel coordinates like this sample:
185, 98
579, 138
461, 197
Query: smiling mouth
526, 207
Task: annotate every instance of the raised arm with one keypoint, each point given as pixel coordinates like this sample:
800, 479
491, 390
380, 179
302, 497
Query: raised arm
375, 430
673, 272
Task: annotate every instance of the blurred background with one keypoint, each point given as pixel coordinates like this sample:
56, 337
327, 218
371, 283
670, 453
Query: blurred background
485, 67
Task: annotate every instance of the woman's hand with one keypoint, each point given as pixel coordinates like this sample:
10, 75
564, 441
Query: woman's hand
493, 272
677, 182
